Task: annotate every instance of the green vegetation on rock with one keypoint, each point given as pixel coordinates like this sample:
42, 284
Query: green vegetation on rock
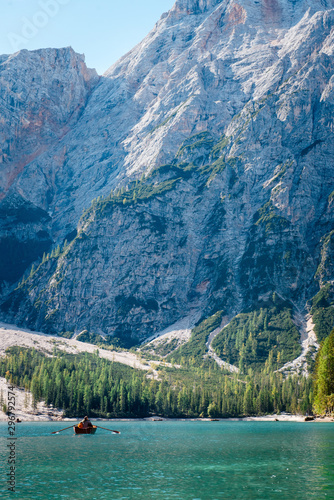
92, 338
267, 217
195, 349
324, 378
326, 267
198, 141
250, 337
322, 311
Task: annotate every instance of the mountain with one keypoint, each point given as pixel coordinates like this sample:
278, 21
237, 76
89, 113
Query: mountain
194, 178
42, 96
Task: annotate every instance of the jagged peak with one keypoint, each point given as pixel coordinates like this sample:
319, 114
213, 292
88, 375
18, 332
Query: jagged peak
224, 17
195, 6
274, 9
64, 52
64, 57
203, 5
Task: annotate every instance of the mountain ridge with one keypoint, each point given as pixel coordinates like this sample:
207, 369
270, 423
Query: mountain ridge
207, 150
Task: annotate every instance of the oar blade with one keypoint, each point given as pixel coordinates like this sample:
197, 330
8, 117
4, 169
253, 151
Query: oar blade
110, 430
57, 432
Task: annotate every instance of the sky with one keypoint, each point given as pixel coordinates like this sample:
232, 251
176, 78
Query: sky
103, 30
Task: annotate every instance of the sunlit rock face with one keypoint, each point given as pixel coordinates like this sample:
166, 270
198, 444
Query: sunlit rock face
236, 100
42, 96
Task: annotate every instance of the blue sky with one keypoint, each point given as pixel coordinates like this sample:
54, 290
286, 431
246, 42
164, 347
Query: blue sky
103, 30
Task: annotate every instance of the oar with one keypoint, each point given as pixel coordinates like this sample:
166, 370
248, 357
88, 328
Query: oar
116, 432
55, 432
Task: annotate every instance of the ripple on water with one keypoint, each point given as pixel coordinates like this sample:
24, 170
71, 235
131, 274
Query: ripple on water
178, 460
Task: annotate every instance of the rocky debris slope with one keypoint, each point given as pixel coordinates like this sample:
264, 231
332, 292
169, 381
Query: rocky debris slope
11, 336
24, 408
209, 147
213, 355
310, 345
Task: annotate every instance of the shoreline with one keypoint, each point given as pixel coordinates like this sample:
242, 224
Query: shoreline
10, 335
260, 418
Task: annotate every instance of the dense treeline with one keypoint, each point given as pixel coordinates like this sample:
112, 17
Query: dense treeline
323, 311
89, 384
324, 378
250, 337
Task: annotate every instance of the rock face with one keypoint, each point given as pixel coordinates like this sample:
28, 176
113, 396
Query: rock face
209, 147
43, 93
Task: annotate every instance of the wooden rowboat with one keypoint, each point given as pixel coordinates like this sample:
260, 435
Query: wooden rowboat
88, 430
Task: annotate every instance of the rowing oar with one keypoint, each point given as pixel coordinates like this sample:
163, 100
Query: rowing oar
116, 432
55, 432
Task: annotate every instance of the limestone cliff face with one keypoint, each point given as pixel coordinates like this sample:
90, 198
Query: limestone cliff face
43, 94
226, 107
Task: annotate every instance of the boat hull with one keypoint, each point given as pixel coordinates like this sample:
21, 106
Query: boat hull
88, 430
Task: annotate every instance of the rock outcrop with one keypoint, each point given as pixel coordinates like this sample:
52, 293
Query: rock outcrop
42, 96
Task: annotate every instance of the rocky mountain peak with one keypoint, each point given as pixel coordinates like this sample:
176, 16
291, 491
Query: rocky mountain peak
200, 167
195, 6
275, 13
42, 94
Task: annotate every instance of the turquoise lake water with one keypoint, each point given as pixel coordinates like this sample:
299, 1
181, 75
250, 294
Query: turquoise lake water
173, 460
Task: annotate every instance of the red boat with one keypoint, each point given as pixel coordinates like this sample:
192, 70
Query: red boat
88, 430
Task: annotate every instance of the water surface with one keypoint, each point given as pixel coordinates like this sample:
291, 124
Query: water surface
173, 460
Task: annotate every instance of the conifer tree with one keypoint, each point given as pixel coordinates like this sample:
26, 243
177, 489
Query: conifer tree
324, 378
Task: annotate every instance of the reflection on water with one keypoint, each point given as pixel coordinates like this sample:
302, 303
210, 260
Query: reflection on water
175, 460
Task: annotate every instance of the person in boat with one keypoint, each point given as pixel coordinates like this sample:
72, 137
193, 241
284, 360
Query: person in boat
85, 423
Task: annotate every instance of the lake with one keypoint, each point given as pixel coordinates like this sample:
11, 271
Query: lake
172, 460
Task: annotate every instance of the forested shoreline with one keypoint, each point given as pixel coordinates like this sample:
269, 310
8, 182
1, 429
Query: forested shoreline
89, 384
